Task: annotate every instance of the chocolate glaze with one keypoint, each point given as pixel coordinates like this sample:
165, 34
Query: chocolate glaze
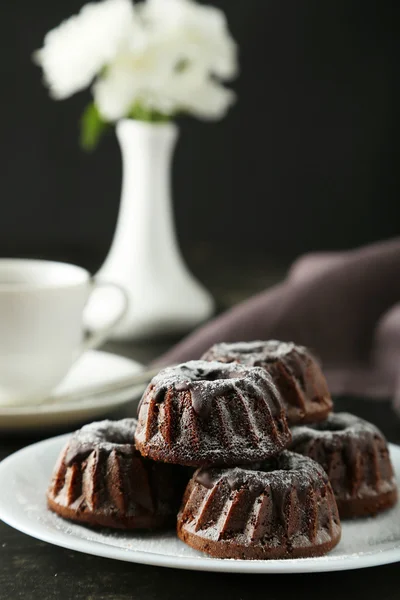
257, 475
337, 425
279, 508
252, 353
102, 436
209, 413
205, 478
355, 456
102, 480
207, 381
293, 369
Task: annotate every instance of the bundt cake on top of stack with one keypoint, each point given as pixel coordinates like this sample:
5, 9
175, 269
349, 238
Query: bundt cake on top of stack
251, 497
208, 413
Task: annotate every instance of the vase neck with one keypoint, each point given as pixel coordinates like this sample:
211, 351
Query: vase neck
131, 132
145, 210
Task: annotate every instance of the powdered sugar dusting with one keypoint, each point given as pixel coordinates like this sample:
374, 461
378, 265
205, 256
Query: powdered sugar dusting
208, 380
215, 414
103, 435
336, 425
278, 470
252, 353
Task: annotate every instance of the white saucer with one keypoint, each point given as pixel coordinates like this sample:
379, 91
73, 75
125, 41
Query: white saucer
93, 368
24, 478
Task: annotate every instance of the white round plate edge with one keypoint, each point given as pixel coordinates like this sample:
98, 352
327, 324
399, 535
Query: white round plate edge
201, 563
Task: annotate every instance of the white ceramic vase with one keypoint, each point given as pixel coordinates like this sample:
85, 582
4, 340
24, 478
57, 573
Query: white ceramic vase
144, 258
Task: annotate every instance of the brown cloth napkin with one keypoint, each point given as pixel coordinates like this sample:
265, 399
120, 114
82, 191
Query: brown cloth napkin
342, 305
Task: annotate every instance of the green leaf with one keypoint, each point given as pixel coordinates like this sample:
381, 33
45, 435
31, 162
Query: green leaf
141, 113
93, 127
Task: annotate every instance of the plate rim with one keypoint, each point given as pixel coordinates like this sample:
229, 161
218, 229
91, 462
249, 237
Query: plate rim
95, 548
77, 407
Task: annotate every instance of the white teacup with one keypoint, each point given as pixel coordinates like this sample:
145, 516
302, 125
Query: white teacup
41, 326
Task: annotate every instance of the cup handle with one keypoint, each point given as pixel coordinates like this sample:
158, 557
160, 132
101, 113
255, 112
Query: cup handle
95, 338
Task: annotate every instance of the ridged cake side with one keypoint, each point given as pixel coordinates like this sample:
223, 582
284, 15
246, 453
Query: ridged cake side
355, 455
203, 413
103, 482
284, 508
294, 370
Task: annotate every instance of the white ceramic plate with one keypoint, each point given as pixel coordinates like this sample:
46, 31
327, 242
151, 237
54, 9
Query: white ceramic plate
24, 477
93, 368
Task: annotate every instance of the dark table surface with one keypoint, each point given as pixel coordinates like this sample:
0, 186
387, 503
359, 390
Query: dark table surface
31, 569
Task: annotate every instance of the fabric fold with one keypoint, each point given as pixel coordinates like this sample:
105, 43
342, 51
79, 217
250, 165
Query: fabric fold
342, 305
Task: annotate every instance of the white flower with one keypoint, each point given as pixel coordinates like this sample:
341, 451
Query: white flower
75, 51
137, 74
166, 56
193, 92
183, 48
201, 31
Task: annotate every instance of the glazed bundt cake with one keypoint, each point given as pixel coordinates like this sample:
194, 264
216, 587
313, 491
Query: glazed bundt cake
293, 369
101, 479
355, 456
204, 413
282, 508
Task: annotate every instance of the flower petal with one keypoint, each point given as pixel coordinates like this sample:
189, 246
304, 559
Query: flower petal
75, 51
202, 31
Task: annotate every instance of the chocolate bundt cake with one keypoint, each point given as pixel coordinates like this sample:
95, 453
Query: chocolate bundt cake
206, 413
101, 479
355, 456
281, 508
293, 369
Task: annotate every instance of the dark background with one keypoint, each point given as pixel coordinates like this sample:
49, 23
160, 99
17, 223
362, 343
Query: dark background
305, 160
